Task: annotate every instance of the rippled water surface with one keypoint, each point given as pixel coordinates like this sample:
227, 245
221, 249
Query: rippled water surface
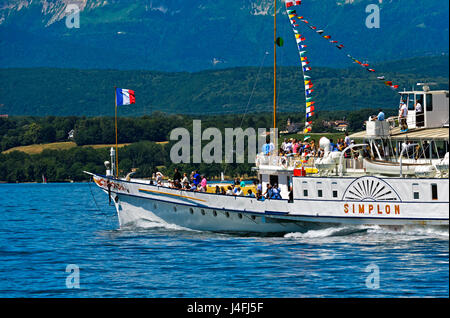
46, 227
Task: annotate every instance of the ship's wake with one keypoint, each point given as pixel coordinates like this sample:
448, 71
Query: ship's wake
387, 232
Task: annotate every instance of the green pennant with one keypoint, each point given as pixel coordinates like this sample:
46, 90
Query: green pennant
279, 41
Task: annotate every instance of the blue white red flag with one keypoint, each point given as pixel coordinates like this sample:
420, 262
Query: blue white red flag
124, 96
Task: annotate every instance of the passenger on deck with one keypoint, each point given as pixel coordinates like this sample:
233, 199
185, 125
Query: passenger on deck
185, 179
176, 176
259, 196
203, 183
402, 118
269, 192
347, 138
419, 115
276, 193
217, 189
380, 116
229, 191
250, 194
159, 178
242, 183
197, 178
258, 186
239, 192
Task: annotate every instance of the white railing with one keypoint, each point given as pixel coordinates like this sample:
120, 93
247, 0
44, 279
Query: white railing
283, 161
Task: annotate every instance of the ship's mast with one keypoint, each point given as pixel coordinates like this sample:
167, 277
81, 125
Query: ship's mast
275, 74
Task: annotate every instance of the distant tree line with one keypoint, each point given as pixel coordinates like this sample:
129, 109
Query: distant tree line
144, 153
22, 131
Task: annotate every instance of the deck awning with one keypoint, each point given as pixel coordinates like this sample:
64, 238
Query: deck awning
412, 134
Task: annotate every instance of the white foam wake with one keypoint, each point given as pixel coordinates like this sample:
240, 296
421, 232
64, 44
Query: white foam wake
412, 232
143, 220
328, 232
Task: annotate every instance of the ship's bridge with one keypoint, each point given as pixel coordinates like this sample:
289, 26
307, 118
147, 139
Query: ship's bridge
434, 114
434, 104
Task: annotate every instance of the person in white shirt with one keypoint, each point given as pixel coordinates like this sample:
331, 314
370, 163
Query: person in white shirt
419, 115
403, 115
347, 139
239, 192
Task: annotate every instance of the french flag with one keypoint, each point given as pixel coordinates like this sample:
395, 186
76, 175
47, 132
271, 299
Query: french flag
124, 96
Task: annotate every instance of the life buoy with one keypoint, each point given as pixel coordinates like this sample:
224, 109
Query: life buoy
283, 162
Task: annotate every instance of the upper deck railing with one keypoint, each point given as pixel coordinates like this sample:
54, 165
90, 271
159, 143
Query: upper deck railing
285, 161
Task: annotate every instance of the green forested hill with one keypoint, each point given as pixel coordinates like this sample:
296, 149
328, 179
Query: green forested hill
67, 92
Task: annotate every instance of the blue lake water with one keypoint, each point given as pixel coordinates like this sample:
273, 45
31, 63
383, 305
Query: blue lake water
46, 227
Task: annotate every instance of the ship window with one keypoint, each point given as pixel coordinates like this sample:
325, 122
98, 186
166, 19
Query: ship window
203, 212
305, 188
240, 215
416, 195
411, 101
434, 192
227, 214
429, 106
191, 210
319, 189
334, 191
215, 213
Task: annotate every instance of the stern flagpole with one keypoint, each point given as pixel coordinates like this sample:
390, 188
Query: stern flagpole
117, 152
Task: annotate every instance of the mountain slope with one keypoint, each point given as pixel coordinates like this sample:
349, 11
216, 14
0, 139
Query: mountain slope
64, 92
192, 35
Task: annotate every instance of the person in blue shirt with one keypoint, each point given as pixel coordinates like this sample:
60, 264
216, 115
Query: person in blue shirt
269, 192
380, 116
197, 178
266, 149
332, 145
276, 193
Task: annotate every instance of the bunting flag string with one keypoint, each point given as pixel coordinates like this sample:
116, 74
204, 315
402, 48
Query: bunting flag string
340, 47
301, 46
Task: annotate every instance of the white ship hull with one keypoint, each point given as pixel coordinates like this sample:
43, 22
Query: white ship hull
136, 201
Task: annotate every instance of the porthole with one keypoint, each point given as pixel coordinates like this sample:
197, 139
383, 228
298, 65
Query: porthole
203, 212
155, 206
175, 209
227, 214
253, 217
240, 215
215, 213
191, 210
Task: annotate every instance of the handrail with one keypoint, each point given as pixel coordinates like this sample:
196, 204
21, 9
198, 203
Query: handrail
401, 156
341, 157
